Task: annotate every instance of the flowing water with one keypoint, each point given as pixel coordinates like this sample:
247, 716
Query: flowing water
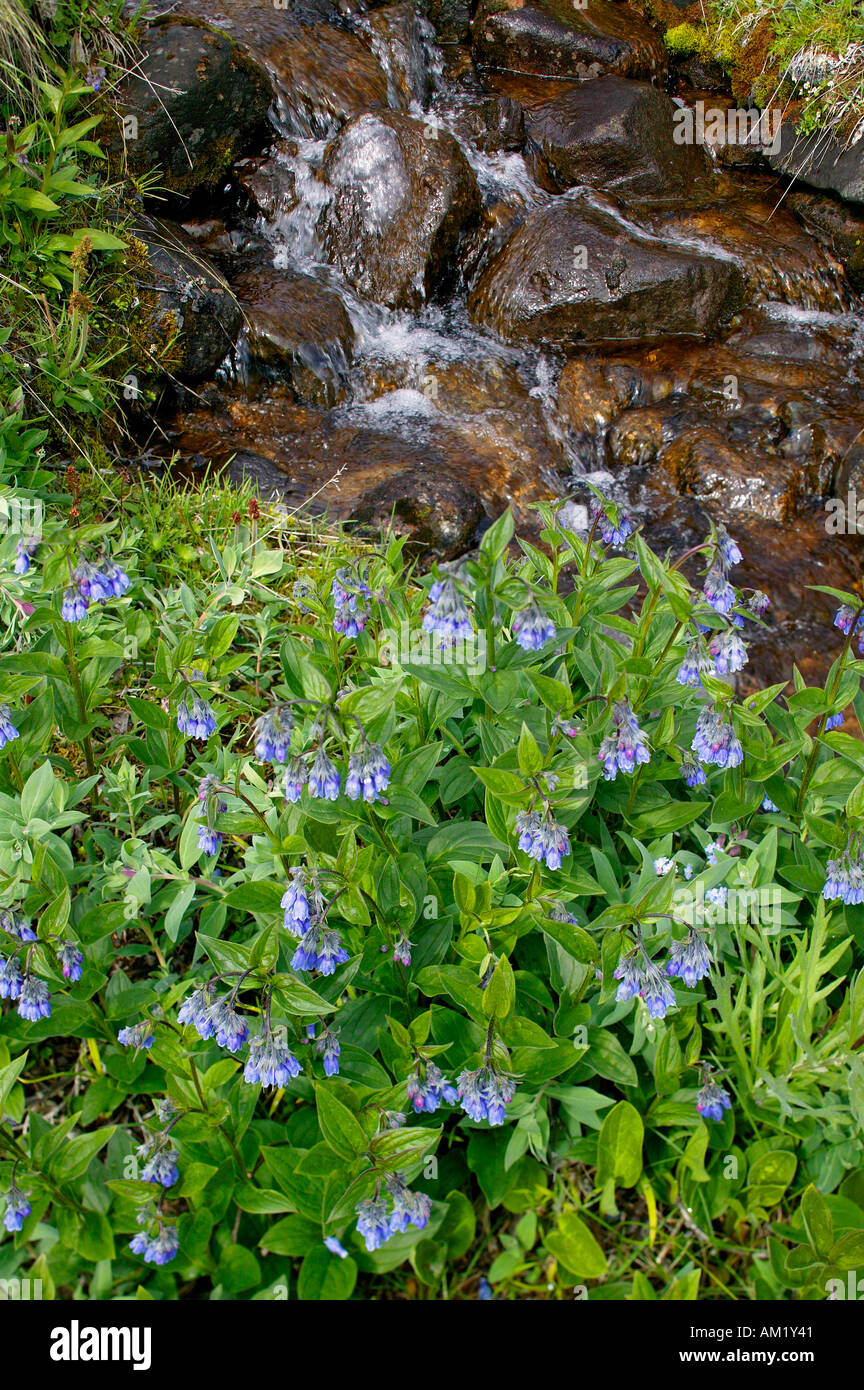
753, 429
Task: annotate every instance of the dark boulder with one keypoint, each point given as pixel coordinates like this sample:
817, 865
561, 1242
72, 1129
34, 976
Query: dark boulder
187, 319
194, 103
434, 511
573, 273
554, 38
298, 329
402, 191
616, 135
838, 227
821, 161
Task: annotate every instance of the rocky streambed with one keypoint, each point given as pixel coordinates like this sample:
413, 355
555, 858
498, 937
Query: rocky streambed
438, 260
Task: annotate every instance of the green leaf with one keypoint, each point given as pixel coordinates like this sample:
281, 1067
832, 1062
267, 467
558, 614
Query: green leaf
817, 1220
619, 1146
75, 1157
326, 1278
574, 1246
339, 1127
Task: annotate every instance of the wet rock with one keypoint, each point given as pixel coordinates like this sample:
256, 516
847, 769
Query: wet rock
702, 462
617, 135
837, 225
552, 37
451, 19
321, 72
404, 44
778, 259
821, 161
194, 102
494, 124
573, 273
298, 328
436, 513
187, 319
268, 183
590, 396
402, 193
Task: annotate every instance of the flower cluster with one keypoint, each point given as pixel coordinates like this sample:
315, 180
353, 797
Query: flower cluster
711, 1100
715, 740
428, 1088
155, 1248
532, 628
542, 838
195, 716
17, 1209
350, 591
625, 744
92, 584
689, 960
377, 1220
844, 880
447, 615
613, 532
485, 1093
273, 734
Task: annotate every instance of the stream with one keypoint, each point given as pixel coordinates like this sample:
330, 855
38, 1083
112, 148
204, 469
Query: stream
352, 368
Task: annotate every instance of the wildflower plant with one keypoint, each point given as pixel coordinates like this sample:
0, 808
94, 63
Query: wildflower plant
365, 945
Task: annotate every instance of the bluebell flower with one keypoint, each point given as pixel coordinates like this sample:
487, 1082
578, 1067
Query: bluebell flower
690, 960
209, 840
348, 591
25, 549
11, 978
195, 1011
230, 1027
845, 880
542, 838
692, 773
295, 904
34, 1001
335, 1247
729, 549
15, 924
485, 1093
691, 668
845, 617
8, 732
319, 949
324, 780
273, 734
447, 615
270, 1060
427, 1089
834, 721
208, 794
373, 1222
532, 628
160, 1165
158, 1249
712, 1100
715, 740
74, 606
71, 960
327, 1046
107, 581
768, 804
612, 532
402, 951
729, 653
409, 1208
295, 780
368, 774
637, 975
484, 1290
137, 1035
758, 603
625, 744
718, 591
17, 1209
195, 717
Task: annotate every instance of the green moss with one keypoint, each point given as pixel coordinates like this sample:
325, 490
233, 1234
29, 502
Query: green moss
685, 40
